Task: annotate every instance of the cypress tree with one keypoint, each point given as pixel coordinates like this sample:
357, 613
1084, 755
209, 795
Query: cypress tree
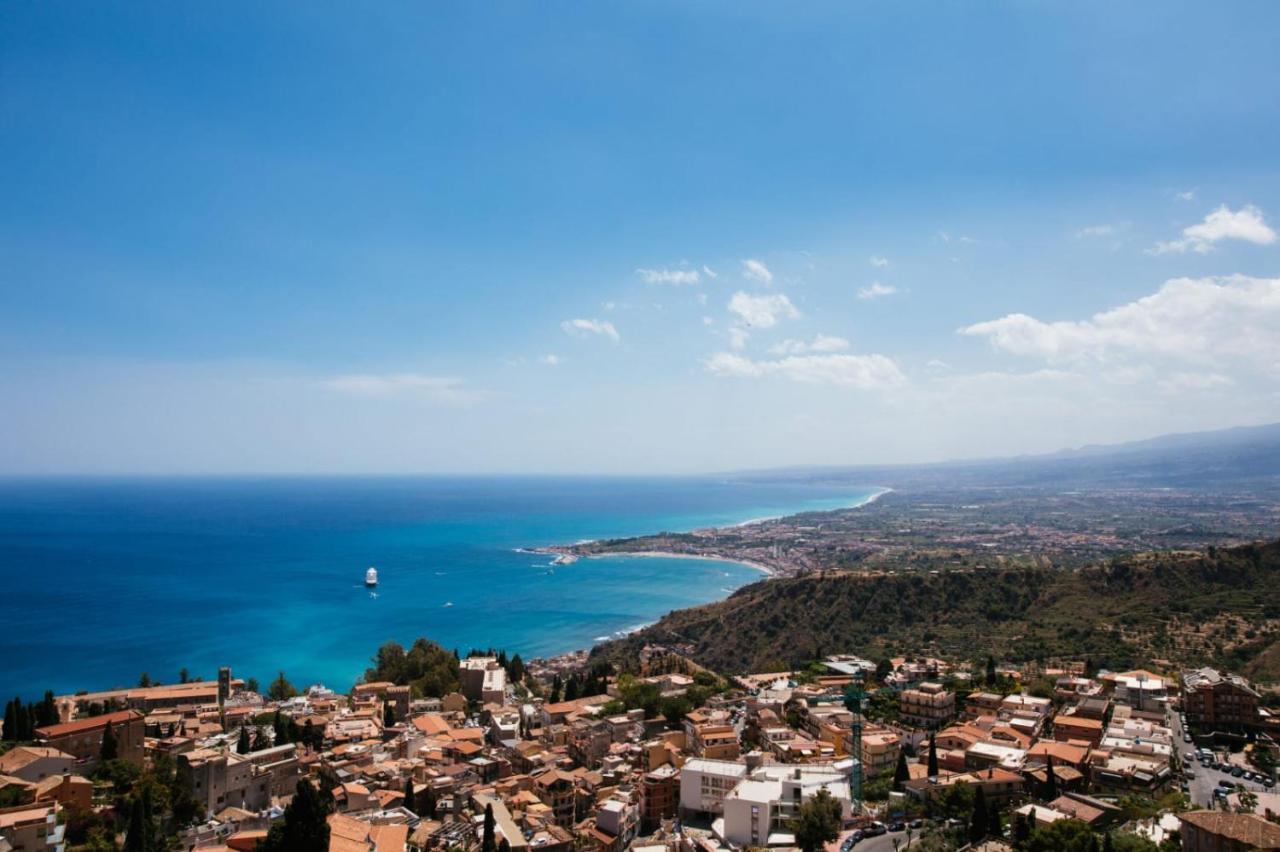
978, 822
430, 804
900, 772
555, 690
489, 844
991, 671
10, 722
388, 714
410, 801
110, 748
1050, 781
135, 837
304, 827
933, 757
242, 744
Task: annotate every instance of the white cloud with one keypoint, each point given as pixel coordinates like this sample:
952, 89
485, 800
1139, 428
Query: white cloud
820, 343
761, 311
861, 372
1186, 195
876, 290
708, 321
1222, 224
1179, 382
879, 262
442, 389
952, 238
1097, 231
756, 271
709, 272
585, 327
1228, 320
938, 365
551, 360
669, 276
738, 338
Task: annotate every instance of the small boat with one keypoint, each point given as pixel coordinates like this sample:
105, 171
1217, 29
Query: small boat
371, 577
448, 603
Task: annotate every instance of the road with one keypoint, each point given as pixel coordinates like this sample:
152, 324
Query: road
1206, 779
883, 843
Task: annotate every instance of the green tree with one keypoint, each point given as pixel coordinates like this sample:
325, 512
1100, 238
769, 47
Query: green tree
884, 668
1021, 829
556, 686
242, 743
1050, 781
979, 819
991, 671
388, 714
184, 676
429, 802
47, 710
818, 821
901, 774
1064, 835
410, 800
281, 689
489, 842
933, 757
251, 684
144, 680
11, 721
110, 748
515, 669
304, 826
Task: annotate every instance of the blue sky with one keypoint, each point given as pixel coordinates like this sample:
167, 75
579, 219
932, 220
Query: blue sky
465, 237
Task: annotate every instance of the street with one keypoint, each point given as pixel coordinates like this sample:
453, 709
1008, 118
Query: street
1205, 779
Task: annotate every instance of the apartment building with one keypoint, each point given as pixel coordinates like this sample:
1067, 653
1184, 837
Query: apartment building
1213, 701
929, 705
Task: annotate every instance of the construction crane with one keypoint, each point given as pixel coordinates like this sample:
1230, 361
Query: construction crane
852, 698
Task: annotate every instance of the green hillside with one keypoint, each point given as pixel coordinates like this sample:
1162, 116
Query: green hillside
1217, 607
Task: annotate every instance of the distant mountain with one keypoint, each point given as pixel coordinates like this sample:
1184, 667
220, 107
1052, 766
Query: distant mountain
1242, 458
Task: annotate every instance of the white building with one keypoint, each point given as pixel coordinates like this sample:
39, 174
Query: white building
753, 803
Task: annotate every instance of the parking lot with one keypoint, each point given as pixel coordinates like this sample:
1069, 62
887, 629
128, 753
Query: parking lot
1205, 779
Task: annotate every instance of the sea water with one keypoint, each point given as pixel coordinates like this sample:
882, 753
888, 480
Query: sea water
103, 579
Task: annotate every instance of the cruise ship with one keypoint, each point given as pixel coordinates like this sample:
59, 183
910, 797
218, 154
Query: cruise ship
371, 577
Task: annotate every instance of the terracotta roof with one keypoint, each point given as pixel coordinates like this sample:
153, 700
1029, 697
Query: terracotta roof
1076, 722
16, 758
1242, 828
89, 724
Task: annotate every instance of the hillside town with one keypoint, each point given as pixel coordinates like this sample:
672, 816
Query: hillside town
566, 754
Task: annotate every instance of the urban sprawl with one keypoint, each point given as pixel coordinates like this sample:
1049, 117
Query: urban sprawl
571, 753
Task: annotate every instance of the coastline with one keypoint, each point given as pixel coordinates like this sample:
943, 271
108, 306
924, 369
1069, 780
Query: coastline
663, 554
568, 554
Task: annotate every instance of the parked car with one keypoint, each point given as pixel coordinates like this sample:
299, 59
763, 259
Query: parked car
897, 826
916, 823
1237, 772
875, 830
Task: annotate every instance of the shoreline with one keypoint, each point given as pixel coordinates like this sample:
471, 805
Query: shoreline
665, 554
564, 555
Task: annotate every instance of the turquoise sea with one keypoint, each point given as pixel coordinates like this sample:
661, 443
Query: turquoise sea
106, 578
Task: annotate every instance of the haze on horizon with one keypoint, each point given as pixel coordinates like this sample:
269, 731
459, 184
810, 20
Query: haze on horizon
655, 238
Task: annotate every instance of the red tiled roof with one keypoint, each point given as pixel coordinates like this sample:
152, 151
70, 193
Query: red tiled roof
89, 724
